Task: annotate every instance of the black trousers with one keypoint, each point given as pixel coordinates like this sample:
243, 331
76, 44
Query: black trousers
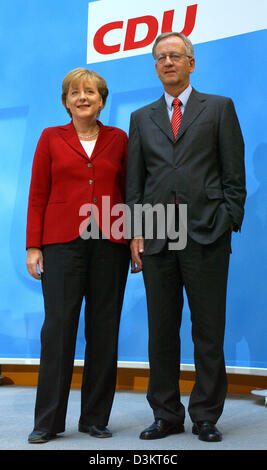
202, 270
94, 270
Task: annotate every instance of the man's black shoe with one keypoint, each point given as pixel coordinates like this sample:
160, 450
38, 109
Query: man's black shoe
207, 431
95, 431
161, 428
40, 437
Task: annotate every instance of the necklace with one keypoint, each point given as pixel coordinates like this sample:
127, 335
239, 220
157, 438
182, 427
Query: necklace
88, 136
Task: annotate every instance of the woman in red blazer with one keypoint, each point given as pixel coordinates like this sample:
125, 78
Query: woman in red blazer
78, 171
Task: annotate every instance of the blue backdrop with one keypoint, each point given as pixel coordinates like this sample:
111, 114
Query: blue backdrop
40, 43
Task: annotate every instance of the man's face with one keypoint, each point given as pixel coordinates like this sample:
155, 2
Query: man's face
173, 71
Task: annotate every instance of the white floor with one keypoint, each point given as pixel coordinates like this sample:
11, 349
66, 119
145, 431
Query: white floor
243, 424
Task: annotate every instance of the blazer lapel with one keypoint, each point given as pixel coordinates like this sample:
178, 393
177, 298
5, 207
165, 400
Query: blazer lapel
69, 134
105, 136
194, 106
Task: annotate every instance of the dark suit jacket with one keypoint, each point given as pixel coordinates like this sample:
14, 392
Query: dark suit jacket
64, 178
203, 167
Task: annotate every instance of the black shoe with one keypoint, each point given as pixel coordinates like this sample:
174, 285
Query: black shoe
161, 428
207, 431
40, 437
95, 431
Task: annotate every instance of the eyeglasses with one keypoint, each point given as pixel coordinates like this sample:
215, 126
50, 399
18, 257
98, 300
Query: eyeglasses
173, 56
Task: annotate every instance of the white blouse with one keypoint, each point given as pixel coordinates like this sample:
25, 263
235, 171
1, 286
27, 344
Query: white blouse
88, 146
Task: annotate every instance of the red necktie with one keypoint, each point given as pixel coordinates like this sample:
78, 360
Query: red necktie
176, 116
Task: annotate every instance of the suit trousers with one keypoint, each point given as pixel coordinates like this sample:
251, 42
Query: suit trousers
201, 270
94, 270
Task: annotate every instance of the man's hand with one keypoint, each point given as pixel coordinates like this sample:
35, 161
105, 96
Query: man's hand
234, 227
33, 260
137, 248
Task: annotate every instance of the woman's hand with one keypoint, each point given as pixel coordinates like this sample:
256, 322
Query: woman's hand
33, 260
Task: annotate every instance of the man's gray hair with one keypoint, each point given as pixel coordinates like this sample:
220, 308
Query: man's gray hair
188, 44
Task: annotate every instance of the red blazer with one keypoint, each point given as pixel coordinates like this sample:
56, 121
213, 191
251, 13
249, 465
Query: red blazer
64, 179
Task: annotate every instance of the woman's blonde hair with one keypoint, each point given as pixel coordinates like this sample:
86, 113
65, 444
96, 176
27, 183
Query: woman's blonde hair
83, 74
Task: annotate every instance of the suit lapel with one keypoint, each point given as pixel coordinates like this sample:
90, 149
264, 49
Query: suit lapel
195, 106
159, 116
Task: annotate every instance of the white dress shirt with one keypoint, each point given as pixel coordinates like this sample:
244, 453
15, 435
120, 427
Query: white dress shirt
183, 97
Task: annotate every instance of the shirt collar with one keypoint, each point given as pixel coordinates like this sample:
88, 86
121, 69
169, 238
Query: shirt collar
183, 97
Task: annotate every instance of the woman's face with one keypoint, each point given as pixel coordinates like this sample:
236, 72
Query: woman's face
84, 100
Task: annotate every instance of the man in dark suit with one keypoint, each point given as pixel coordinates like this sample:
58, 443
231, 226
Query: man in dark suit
189, 152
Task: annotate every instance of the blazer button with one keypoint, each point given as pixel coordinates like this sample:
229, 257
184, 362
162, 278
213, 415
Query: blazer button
95, 199
89, 165
90, 182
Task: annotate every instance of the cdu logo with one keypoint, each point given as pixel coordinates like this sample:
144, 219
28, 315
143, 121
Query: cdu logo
120, 29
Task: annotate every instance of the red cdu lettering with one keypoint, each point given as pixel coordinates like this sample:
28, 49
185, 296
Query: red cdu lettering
151, 22
99, 44
167, 22
152, 25
190, 19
